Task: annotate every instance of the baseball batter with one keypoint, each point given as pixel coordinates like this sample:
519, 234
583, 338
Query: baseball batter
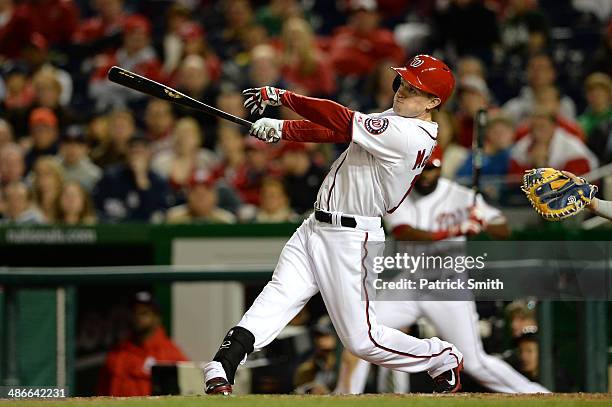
441, 209
328, 252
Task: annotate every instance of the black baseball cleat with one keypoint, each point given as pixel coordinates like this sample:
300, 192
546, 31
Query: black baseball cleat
449, 381
218, 385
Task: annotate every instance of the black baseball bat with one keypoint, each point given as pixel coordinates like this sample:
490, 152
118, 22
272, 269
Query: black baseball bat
480, 127
150, 87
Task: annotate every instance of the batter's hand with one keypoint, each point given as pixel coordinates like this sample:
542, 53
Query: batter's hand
258, 98
268, 130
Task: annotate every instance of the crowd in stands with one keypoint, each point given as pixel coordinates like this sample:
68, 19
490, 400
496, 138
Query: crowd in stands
78, 149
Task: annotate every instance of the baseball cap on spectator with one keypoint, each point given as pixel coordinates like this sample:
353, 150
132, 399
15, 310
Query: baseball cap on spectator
435, 160
43, 116
359, 5
74, 134
145, 298
136, 22
14, 67
598, 79
475, 84
200, 177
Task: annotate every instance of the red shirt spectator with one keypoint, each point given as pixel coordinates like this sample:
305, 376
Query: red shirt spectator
548, 145
56, 20
356, 48
304, 64
570, 126
14, 29
110, 20
136, 55
127, 371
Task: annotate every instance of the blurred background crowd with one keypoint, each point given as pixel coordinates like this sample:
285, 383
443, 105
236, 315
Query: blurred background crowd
77, 149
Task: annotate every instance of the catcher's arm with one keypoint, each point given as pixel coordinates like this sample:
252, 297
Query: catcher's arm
598, 206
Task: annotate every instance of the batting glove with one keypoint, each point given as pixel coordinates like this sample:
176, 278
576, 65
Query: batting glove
259, 98
268, 130
468, 227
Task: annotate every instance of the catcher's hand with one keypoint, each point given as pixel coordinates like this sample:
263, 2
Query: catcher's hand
556, 195
258, 98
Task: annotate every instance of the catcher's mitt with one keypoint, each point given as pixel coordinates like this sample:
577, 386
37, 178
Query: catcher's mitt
554, 195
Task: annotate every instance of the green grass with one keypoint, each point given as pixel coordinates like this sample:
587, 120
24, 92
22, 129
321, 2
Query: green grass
410, 400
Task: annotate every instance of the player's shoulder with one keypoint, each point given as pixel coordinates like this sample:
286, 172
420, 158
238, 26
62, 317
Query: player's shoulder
377, 123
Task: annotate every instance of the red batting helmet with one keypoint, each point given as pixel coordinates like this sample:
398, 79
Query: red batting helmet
435, 159
430, 75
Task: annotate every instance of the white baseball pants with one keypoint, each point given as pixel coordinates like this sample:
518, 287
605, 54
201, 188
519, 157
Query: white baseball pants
456, 321
331, 259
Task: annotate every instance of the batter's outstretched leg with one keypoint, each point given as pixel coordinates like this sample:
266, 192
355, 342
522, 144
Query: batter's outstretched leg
292, 285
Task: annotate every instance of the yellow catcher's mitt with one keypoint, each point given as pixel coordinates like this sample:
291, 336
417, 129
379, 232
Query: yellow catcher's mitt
554, 195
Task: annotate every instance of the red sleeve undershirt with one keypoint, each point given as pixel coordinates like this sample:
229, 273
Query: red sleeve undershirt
326, 121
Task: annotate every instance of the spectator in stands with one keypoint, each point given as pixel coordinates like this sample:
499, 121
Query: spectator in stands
178, 164
137, 55
526, 29
302, 176
548, 98
470, 66
469, 26
47, 184
274, 203
44, 135
127, 370
14, 29
37, 56
201, 206
121, 129
472, 95
356, 48
275, 15
159, 122
131, 191
234, 168
540, 73
228, 41
76, 164
106, 23
48, 93
318, 374
56, 20
522, 316
497, 147
265, 67
6, 133
193, 79
303, 63
12, 164
598, 92
75, 206
548, 145
18, 206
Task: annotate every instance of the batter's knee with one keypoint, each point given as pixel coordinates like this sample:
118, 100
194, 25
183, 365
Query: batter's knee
363, 349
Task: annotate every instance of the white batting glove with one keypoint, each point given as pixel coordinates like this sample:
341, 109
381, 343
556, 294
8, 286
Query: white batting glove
258, 98
268, 130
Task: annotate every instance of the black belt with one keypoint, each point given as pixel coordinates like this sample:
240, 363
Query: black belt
326, 217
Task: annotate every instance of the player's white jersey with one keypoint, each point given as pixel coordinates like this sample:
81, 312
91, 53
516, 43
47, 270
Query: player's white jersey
374, 175
447, 205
